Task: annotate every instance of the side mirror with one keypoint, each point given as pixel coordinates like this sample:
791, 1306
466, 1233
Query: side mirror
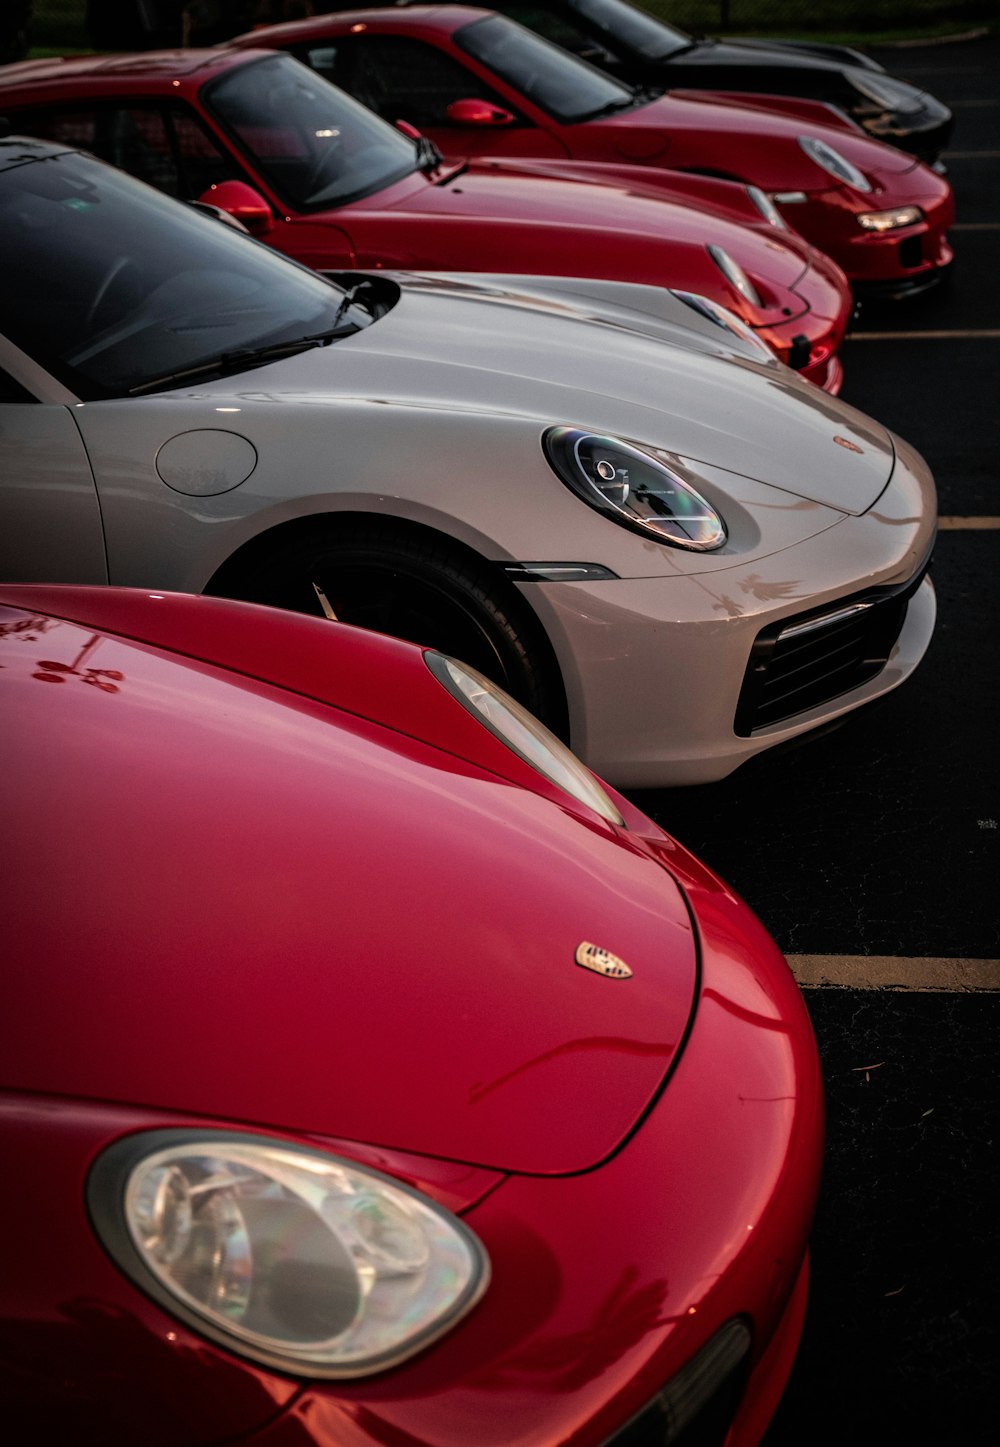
243, 202
478, 113
410, 132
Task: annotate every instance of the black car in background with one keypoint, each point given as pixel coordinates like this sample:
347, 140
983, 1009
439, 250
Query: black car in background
641, 50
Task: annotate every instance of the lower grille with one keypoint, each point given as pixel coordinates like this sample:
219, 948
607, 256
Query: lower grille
802, 662
911, 252
696, 1406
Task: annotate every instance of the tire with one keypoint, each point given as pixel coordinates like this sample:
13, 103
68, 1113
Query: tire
418, 587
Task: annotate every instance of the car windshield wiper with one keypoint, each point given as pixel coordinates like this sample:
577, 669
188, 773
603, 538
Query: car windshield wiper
428, 155
626, 103
245, 357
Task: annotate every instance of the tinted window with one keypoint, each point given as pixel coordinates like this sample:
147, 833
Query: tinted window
645, 34
108, 284
556, 82
405, 80
166, 146
312, 143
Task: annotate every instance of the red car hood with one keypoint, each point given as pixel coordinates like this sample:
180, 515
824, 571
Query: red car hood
536, 216
689, 130
232, 901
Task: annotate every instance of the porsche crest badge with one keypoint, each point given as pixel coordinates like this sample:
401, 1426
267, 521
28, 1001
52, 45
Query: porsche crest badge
602, 962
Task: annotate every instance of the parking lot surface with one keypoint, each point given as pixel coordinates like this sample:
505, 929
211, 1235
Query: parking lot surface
872, 856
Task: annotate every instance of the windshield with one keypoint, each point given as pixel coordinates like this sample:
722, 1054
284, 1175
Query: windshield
646, 35
315, 145
557, 83
109, 285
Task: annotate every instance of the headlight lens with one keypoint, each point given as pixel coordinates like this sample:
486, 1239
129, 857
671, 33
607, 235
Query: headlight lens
634, 488
885, 91
522, 733
767, 208
734, 274
722, 317
292, 1257
890, 220
834, 163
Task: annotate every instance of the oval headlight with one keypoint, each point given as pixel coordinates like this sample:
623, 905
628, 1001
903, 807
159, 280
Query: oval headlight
734, 274
834, 163
635, 489
767, 208
523, 734
714, 311
289, 1256
886, 91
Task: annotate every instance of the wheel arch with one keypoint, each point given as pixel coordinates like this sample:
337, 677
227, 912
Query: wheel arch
237, 575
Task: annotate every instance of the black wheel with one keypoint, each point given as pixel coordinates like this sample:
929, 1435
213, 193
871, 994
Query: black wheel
419, 588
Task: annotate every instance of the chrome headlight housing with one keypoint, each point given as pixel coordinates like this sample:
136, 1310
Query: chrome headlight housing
891, 220
834, 163
634, 488
523, 734
767, 208
286, 1255
734, 274
714, 311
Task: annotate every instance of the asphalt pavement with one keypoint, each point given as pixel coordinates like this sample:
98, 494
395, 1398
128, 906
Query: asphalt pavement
875, 848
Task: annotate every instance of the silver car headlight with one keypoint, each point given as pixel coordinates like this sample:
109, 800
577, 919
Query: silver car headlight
714, 311
767, 208
734, 274
890, 220
634, 488
289, 1256
894, 95
510, 722
834, 163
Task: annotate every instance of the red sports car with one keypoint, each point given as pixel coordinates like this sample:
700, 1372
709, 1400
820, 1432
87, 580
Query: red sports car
323, 180
478, 84
369, 1073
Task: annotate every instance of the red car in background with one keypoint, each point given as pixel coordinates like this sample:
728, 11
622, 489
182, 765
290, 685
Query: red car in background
325, 181
478, 84
368, 1073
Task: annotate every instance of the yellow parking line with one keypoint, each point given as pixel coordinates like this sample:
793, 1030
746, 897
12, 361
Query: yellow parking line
948, 336
895, 972
971, 524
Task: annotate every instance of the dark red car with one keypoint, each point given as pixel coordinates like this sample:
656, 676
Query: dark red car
478, 84
368, 1073
322, 179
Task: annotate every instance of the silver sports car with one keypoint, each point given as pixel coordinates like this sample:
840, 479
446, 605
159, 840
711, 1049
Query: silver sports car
606, 497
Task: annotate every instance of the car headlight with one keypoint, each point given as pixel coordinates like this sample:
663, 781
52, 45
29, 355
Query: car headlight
734, 274
286, 1255
767, 208
634, 488
890, 220
715, 312
834, 163
893, 94
522, 733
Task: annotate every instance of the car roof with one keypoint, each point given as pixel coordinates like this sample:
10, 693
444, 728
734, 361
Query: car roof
156, 69
444, 18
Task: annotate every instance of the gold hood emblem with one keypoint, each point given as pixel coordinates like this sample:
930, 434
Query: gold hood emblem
602, 962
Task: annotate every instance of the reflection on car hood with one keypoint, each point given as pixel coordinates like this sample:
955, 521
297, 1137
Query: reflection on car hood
273, 913
608, 366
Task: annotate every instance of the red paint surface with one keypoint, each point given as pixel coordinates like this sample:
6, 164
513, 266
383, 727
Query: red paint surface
233, 905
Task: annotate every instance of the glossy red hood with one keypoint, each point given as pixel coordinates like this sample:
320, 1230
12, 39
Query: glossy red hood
229, 900
692, 130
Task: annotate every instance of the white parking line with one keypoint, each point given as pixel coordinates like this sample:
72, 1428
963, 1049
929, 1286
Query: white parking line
960, 524
894, 972
947, 336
